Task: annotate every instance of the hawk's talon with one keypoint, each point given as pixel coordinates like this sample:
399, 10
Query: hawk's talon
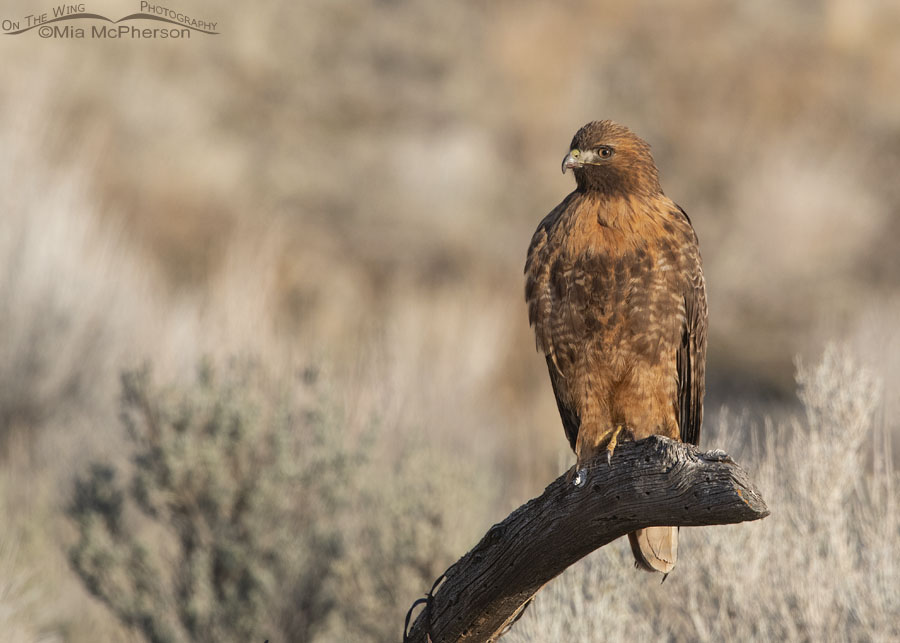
580, 477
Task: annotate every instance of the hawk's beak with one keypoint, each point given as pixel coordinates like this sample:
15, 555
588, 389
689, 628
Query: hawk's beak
571, 161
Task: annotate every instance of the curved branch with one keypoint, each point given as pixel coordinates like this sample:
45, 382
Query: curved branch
656, 481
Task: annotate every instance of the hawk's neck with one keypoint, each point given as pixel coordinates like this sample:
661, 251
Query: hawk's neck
617, 224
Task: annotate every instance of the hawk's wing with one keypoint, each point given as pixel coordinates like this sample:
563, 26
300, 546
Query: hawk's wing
539, 297
571, 421
691, 355
538, 294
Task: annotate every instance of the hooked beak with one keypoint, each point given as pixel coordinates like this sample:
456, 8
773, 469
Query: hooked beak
571, 161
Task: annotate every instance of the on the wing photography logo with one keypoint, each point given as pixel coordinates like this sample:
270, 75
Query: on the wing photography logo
74, 21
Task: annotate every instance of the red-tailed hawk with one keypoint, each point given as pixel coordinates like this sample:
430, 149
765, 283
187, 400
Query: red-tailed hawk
616, 296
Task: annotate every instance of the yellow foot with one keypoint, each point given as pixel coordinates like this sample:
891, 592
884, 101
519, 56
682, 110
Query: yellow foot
612, 439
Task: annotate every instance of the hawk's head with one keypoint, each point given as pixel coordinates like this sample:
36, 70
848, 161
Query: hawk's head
610, 158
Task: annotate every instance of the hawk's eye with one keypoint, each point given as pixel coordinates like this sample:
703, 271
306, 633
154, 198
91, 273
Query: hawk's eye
605, 152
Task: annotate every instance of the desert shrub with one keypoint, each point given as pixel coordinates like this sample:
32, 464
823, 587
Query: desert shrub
245, 513
211, 480
822, 567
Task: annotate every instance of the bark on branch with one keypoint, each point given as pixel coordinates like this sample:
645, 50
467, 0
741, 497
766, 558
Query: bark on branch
656, 481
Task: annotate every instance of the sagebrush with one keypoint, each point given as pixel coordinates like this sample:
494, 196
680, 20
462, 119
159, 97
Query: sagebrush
243, 515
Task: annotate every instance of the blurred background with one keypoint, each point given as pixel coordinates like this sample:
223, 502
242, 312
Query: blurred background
320, 216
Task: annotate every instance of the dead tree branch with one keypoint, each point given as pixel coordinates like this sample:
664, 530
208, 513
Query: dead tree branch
656, 481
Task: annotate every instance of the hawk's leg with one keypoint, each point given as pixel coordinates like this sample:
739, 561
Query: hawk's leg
613, 440
608, 440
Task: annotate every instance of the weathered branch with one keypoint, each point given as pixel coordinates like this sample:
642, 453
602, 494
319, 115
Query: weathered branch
656, 481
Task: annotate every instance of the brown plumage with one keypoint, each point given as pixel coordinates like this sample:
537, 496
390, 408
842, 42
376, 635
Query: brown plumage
616, 296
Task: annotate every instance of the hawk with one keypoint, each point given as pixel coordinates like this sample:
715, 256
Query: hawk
616, 295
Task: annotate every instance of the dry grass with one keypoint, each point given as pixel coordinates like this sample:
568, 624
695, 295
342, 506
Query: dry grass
350, 188
20, 600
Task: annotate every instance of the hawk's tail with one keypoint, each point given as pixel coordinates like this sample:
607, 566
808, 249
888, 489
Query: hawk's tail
655, 548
